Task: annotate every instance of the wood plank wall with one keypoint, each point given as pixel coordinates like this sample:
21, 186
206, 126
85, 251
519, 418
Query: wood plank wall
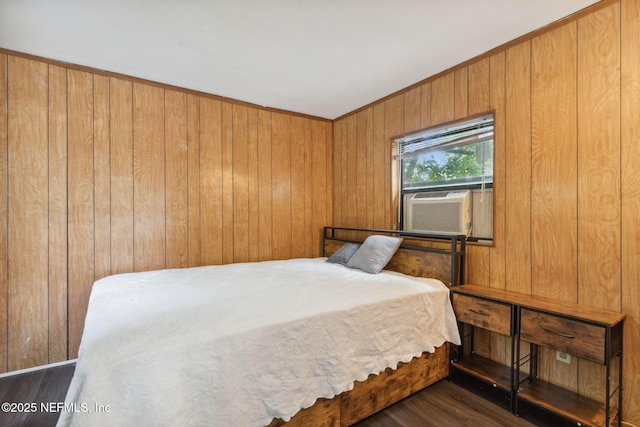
567, 183
101, 174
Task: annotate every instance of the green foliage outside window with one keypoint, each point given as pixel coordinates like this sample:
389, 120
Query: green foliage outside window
465, 164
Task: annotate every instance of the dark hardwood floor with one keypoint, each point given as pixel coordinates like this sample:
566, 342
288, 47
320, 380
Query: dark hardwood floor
40, 391
467, 403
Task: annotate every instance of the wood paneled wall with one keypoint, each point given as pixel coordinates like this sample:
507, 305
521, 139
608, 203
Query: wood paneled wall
566, 185
102, 174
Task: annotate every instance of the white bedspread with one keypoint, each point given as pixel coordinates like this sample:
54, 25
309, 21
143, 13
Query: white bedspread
240, 344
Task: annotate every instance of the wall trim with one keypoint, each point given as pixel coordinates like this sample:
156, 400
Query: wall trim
125, 77
37, 368
526, 37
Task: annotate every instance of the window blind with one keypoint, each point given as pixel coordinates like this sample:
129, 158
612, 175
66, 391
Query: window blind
472, 131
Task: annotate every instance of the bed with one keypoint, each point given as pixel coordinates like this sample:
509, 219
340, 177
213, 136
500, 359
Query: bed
254, 343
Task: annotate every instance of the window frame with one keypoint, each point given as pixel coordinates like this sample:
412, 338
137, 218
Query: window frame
398, 175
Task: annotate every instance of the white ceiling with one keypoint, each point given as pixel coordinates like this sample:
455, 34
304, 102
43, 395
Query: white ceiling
323, 58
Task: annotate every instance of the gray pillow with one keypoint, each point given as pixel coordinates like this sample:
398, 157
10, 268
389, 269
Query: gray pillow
375, 253
342, 255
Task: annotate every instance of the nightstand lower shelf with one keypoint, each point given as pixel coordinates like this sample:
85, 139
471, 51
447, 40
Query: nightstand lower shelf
565, 403
487, 370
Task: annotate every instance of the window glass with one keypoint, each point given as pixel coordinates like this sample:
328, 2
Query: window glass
454, 155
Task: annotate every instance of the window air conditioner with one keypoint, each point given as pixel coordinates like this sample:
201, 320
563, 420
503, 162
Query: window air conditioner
438, 212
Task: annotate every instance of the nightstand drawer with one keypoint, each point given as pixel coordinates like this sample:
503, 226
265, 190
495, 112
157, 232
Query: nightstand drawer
569, 336
491, 315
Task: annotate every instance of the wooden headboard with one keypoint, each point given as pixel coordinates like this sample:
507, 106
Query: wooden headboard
438, 256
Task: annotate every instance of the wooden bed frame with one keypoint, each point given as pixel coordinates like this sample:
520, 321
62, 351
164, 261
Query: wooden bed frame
422, 255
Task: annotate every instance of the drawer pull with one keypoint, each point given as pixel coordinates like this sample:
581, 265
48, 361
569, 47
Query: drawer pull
481, 313
559, 333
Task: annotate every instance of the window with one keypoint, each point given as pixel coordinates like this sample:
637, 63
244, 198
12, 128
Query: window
446, 178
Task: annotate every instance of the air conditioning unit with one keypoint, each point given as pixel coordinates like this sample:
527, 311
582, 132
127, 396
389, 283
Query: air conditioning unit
438, 212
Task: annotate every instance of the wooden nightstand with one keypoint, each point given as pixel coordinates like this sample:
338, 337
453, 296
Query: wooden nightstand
581, 331
475, 311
